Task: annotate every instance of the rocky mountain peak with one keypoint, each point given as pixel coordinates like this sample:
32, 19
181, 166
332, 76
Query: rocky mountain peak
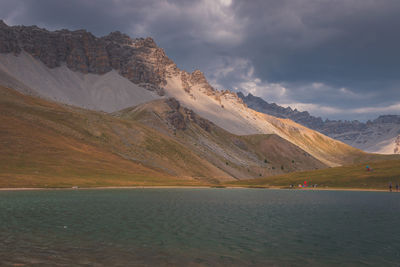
197, 77
139, 60
387, 119
118, 38
148, 42
273, 109
2, 24
241, 95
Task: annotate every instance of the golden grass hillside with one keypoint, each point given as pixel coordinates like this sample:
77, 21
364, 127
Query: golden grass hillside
351, 176
44, 144
47, 144
329, 151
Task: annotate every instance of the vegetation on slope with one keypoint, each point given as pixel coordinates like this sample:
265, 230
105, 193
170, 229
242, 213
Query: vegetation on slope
44, 144
329, 151
350, 176
47, 144
239, 156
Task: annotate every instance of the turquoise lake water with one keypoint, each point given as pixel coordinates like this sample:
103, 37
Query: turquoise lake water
199, 227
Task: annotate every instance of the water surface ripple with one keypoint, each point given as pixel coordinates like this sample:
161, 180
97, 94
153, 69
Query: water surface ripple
199, 227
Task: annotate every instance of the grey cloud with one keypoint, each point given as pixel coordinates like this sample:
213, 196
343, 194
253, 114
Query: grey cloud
267, 44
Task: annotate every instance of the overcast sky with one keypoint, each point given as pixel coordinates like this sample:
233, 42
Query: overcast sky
338, 59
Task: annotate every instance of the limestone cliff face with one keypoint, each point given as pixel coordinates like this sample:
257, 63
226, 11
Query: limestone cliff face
139, 60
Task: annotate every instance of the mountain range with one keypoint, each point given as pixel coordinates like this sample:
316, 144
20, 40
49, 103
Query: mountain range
381, 135
112, 109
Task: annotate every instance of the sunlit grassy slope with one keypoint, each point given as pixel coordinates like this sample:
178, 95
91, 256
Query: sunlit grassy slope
238, 156
44, 144
47, 144
352, 176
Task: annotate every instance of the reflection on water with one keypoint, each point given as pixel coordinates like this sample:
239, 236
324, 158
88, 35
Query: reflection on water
199, 227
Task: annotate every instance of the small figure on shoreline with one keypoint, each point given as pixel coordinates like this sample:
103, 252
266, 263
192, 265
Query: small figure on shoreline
397, 187
390, 187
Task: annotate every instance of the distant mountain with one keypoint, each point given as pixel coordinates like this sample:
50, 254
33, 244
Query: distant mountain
129, 78
381, 135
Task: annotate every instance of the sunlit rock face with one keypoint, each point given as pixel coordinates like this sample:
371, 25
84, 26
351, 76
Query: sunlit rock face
114, 72
139, 60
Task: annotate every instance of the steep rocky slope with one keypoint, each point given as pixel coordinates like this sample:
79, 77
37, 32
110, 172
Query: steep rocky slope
107, 92
227, 110
78, 68
381, 135
239, 156
138, 60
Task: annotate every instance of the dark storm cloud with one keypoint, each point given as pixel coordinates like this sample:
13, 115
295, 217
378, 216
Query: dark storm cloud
338, 58
345, 44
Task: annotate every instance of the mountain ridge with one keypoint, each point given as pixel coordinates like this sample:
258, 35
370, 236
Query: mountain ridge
139, 60
140, 67
381, 135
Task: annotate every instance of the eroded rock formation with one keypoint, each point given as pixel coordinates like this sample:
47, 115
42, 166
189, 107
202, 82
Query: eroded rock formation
140, 59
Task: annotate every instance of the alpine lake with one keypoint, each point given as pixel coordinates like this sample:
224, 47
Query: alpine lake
199, 227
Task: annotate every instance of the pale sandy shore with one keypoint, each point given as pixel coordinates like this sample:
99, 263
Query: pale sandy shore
195, 187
